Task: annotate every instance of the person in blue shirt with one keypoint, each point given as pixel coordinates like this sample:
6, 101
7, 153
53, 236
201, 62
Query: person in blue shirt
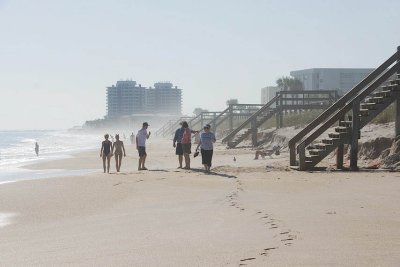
206, 144
177, 143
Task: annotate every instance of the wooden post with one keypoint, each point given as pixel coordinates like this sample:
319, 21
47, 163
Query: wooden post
201, 121
230, 118
214, 127
277, 109
340, 153
354, 135
254, 141
397, 104
281, 112
302, 157
397, 116
339, 156
277, 118
292, 153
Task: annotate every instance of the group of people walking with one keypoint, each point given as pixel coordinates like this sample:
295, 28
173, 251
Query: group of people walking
182, 143
108, 149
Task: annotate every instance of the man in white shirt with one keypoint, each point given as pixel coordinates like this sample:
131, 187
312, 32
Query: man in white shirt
141, 138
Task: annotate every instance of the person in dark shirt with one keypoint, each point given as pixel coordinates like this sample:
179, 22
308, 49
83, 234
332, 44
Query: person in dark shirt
106, 152
177, 143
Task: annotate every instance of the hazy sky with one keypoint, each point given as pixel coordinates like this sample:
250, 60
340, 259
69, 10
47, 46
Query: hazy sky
58, 57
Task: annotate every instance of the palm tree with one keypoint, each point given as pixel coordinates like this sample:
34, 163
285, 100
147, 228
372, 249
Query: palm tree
232, 101
290, 84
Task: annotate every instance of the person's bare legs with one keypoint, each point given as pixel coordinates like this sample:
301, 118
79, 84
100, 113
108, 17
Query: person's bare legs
180, 159
187, 160
104, 162
140, 163
108, 163
205, 167
118, 159
119, 162
143, 161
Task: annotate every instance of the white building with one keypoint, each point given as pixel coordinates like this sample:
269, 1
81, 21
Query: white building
330, 78
267, 93
127, 98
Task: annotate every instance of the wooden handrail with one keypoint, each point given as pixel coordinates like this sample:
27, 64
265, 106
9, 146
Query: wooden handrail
341, 113
219, 115
262, 109
337, 105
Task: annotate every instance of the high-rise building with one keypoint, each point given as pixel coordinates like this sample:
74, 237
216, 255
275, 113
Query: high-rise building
127, 98
330, 78
164, 98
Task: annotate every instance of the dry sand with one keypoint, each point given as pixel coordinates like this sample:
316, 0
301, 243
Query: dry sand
246, 212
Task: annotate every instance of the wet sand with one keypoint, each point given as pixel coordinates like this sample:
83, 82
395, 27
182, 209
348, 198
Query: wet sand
246, 212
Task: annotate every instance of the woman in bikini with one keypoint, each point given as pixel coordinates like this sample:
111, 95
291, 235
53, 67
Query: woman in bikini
106, 152
119, 147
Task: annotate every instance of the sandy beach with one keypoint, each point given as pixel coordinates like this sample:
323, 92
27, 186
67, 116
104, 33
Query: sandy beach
246, 212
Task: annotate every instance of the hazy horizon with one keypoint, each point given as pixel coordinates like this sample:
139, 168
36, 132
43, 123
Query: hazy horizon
58, 57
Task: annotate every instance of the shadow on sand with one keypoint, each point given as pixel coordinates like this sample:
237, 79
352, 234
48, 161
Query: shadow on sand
214, 173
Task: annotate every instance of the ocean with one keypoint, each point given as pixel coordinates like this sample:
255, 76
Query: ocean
17, 148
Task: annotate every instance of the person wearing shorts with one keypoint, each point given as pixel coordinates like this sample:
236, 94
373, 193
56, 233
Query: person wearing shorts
177, 143
141, 138
207, 139
187, 143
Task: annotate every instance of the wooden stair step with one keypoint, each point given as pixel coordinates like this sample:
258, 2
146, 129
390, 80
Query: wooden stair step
375, 99
391, 87
329, 141
322, 146
315, 152
312, 158
345, 123
369, 106
334, 135
394, 82
341, 129
384, 94
364, 112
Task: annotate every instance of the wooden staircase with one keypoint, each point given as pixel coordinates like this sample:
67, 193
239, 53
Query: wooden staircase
255, 121
360, 106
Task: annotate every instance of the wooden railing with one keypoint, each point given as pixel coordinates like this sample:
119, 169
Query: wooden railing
339, 108
251, 118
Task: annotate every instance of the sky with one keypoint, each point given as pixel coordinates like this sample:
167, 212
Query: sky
58, 57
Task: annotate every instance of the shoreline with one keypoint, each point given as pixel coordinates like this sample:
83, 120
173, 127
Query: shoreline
253, 212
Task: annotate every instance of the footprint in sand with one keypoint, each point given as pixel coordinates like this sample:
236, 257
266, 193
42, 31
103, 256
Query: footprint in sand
266, 249
248, 259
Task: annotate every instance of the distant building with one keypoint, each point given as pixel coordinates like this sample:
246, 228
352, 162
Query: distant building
267, 93
164, 98
330, 78
127, 98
